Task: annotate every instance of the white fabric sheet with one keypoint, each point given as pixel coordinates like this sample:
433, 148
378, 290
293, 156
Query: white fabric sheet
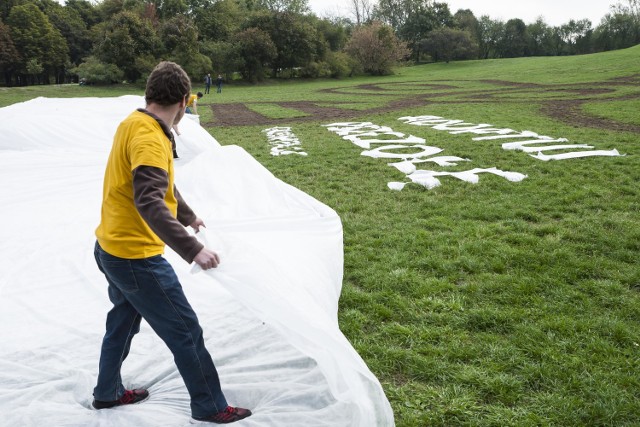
269, 313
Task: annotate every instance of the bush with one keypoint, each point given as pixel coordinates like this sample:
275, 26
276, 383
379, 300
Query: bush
340, 64
376, 48
316, 69
95, 72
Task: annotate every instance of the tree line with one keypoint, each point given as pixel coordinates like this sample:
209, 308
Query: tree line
43, 41
431, 30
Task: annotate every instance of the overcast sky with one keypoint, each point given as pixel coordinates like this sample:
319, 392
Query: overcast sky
554, 12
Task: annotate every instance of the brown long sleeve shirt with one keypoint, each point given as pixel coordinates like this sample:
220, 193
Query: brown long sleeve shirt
150, 185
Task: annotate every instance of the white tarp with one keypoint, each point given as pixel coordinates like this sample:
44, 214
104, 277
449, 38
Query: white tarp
269, 313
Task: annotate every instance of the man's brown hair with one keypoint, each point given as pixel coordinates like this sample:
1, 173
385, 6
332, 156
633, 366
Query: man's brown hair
167, 84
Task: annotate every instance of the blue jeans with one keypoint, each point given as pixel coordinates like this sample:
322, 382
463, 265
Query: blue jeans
149, 288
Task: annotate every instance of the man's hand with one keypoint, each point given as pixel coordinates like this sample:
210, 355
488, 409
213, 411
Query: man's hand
196, 224
207, 259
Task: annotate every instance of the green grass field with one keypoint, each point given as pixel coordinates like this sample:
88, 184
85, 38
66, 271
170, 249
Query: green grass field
491, 304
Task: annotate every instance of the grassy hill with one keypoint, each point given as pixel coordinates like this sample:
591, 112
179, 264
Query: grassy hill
491, 304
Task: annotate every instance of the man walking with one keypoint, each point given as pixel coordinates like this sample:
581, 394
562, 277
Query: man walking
219, 84
207, 83
142, 211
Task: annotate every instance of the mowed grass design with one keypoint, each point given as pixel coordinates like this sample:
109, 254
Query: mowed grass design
488, 304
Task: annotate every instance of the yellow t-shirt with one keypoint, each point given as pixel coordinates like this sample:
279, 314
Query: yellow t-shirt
192, 99
139, 141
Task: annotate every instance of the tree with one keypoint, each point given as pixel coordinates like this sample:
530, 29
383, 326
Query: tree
291, 6
620, 28
6, 6
361, 10
180, 35
87, 11
556, 44
464, 19
412, 20
442, 15
38, 41
513, 44
335, 32
394, 12
540, 38
124, 38
168, 9
490, 33
297, 42
445, 44
9, 56
74, 30
225, 56
108, 8
577, 36
257, 50
221, 20
376, 48
425, 18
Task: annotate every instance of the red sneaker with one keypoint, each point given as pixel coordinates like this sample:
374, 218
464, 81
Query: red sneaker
229, 415
129, 397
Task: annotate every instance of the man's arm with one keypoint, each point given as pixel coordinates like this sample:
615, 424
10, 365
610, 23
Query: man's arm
186, 216
205, 258
149, 188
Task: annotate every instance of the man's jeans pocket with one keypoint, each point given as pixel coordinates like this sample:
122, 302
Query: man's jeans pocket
119, 271
121, 274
